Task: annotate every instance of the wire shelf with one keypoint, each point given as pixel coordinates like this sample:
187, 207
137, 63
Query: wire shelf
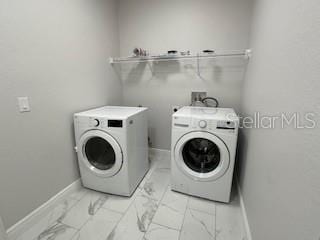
245, 54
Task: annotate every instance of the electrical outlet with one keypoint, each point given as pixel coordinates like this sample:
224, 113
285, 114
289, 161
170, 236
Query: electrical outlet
175, 108
197, 97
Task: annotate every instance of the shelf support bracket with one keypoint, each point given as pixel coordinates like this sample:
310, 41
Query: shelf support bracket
198, 67
150, 67
248, 54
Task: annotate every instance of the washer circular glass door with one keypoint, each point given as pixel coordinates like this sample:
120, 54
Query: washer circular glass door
100, 153
202, 156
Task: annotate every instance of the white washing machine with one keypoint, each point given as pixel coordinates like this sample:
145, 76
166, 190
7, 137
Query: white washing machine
112, 148
204, 142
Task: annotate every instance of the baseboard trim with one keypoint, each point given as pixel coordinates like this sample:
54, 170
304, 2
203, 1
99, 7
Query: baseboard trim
3, 233
244, 212
17, 229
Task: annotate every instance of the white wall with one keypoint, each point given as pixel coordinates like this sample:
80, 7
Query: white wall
54, 52
182, 25
280, 167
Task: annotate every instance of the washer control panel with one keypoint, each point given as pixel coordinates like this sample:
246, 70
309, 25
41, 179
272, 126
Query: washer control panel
228, 125
209, 124
202, 124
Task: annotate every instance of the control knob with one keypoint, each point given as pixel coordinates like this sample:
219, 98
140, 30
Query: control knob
202, 124
96, 122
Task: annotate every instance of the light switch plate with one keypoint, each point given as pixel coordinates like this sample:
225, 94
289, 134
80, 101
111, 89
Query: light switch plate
23, 103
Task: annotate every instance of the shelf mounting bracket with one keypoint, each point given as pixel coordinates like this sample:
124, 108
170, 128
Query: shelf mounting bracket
248, 54
150, 67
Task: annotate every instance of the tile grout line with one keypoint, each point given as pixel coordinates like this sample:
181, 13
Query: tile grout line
171, 228
184, 217
202, 212
115, 211
78, 231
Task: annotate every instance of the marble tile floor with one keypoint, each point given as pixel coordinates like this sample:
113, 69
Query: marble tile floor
154, 212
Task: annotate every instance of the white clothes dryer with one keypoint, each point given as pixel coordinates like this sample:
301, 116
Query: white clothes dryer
112, 148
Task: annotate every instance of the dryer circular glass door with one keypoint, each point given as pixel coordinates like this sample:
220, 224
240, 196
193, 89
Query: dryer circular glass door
202, 156
100, 153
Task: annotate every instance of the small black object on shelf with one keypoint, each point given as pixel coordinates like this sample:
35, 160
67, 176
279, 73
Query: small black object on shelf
172, 52
208, 51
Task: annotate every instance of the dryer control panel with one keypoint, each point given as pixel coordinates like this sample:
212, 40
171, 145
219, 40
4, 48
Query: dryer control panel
115, 123
105, 123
